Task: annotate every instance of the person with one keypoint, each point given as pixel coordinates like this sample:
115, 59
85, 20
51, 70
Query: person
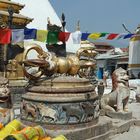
105, 76
100, 90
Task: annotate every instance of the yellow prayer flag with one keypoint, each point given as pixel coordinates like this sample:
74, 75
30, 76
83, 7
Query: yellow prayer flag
135, 38
41, 35
94, 35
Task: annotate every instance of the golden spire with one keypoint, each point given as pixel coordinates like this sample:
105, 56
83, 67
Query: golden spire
78, 26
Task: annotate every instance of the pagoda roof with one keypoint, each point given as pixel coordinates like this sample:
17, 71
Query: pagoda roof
18, 19
4, 4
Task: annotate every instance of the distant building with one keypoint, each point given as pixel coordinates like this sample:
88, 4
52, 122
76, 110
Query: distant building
109, 58
123, 60
102, 47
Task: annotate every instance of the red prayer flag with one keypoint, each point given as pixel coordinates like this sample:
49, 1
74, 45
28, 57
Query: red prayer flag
111, 36
63, 36
5, 36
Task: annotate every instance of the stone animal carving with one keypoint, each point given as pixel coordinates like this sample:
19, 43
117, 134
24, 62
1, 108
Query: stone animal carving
6, 111
89, 110
4, 91
72, 111
29, 109
96, 109
46, 111
12, 69
117, 100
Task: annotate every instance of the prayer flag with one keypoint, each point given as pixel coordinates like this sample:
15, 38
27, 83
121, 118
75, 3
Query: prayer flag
135, 37
103, 34
128, 36
121, 36
52, 37
30, 33
76, 37
85, 36
41, 35
94, 36
63, 36
5, 36
112, 36
17, 35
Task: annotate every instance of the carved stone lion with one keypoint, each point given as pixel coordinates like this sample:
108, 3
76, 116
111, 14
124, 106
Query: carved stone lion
6, 111
117, 100
4, 91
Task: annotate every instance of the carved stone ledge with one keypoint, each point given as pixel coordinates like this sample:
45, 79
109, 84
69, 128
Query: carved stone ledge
120, 115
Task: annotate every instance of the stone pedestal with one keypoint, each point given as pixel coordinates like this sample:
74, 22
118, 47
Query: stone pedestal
97, 130
60, 100
17, 89
62, 104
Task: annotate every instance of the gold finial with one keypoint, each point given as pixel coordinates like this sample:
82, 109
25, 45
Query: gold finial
78, 26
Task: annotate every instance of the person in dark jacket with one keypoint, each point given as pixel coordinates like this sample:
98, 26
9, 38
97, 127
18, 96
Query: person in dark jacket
100, 90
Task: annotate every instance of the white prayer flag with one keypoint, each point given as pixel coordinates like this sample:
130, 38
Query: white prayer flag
17, 35
76, 37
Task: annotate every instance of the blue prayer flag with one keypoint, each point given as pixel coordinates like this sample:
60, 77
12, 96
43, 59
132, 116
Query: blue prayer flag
128, 36
84, 36
30, 33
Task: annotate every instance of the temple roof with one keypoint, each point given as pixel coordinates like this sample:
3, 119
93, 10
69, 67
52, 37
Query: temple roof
4, 4
18, 19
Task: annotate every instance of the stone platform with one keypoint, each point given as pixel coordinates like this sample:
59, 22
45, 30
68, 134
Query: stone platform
86, 131
106, 129
120, 115
128, 129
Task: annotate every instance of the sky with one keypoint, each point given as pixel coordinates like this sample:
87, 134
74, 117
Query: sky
100, 16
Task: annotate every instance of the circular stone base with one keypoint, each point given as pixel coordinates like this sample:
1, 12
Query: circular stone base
85, 131
64, 100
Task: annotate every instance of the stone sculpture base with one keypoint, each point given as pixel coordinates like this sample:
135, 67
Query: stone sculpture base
17, 89
63, 105
60, 101
120, 115
86, 131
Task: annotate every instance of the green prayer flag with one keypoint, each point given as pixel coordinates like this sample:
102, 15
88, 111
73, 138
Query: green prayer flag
103, 34
52, 37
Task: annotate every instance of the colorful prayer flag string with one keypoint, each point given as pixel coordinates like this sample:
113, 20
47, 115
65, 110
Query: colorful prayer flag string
50, 37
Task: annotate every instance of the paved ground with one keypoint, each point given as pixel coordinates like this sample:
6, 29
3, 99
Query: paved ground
134, 132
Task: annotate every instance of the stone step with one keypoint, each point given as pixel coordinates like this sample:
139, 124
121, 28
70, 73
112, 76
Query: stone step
100, 131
